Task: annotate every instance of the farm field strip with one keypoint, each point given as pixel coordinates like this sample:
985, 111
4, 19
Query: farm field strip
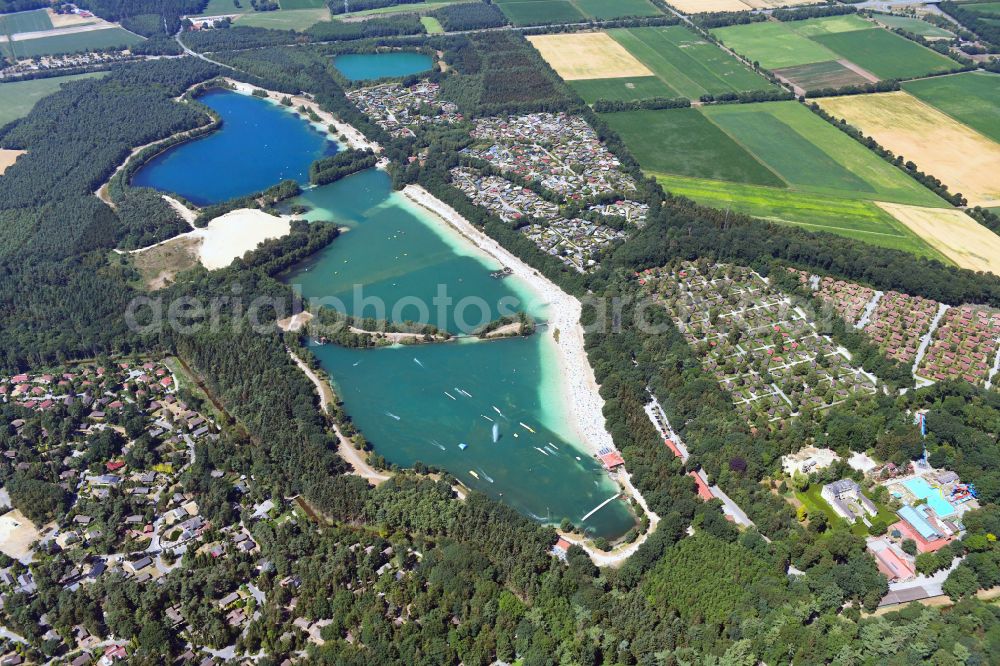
284, 19
30, 21
687, 63
621, 89
956, 235
588, 55
972, 98
703, 6
113, 37
848, 39
964, 159
914, 25
862, 220
539, 12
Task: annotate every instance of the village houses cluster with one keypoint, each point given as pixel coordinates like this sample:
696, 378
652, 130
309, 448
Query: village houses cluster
398, 109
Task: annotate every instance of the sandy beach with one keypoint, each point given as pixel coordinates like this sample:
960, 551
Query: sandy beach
353, 137
582, 401
230, 236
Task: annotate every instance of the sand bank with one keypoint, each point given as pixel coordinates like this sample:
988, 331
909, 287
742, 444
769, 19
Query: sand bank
236, 233
17, 533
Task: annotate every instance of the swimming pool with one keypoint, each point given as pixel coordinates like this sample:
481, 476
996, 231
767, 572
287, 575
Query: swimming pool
935, 499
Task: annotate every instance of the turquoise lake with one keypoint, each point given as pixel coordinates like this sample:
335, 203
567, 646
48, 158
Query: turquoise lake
258, 145
369, 66
420, 402
412, 402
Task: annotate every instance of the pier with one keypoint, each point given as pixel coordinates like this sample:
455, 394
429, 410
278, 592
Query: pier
600, 506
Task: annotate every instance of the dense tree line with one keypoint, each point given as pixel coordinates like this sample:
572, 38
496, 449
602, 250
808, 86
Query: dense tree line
169, 11
470, 16
7, 6
610, 106
710, 20
748, 96
812, 12
862, 89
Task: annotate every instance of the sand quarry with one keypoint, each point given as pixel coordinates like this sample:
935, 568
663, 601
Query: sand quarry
952, 233
588, 55
967, 161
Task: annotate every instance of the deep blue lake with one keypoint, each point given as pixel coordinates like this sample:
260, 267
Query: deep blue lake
368, 66
258, 145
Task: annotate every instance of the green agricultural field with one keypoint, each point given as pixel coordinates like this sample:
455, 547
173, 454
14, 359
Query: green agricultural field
622, 89
431, 25
33, 21
885, 54
829, 25
809, 153
688, 64
972, 98
217, 7
684, 141
301, 4
914, 25
19, 97
610, 9
862, 220
74, 42
284, 19
773, 44
538, 12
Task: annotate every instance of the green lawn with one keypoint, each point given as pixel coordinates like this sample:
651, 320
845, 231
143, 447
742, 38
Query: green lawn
972, 98
285, 19
861, 220
432, 25
809, 153
19, 97
74, 42
885, 54
913, 25
685, 142
33, 21
815, 505
773, 44
537, 12
688, 64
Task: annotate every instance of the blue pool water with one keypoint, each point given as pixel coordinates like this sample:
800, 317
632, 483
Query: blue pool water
368, 66
935, 499
258, 145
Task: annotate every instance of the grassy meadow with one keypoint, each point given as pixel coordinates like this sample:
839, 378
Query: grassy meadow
914, 25
885, 54
540, 12
284, 19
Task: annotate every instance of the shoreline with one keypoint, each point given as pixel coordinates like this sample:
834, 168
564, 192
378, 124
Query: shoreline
581, 401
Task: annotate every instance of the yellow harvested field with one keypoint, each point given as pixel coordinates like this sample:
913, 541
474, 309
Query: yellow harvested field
588, 55
702, 6
952, 233
965, 160
8, 157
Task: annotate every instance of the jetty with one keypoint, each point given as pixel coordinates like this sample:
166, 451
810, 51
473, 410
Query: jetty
502, 273
600, 506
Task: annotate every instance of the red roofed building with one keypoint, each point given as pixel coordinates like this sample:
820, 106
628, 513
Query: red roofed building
892, 565
166, 381
923, 545
610, 459
673, 447
704, 491
115, 465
